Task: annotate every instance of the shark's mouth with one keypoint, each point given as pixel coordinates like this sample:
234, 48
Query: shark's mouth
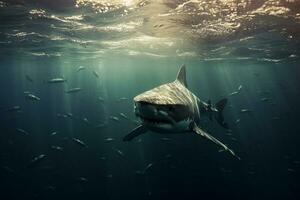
149, 120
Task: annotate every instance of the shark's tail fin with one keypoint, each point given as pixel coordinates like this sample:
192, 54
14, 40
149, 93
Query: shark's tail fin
220, 105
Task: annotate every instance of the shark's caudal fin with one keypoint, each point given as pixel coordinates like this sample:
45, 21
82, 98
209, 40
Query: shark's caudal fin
220, 105
181, 76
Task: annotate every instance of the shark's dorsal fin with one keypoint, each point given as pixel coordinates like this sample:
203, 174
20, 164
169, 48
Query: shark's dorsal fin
181, 76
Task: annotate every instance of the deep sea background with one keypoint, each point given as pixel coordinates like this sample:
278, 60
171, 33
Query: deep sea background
115, 50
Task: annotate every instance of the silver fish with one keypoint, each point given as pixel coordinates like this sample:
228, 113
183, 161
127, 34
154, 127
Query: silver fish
233, 93
114, 118
109, 139
36, 160
22, 131
57, 80
32, 97
79, 142
73, 90
119, 152
122, 99
124, 116
246, 111
96, 74
240, 88
58, 148
28, 78
80, 68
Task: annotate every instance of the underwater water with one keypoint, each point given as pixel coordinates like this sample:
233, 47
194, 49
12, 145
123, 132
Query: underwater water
69, 71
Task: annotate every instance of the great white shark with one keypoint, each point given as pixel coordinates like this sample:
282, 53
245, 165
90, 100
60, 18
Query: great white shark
173, 108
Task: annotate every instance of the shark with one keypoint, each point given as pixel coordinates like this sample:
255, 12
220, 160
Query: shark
172, 108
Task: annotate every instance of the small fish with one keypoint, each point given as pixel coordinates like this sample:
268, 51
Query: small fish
32, 97
73, 90
138, 172
122, 99
225, 170
101, 99
234, 139
50, 188
96, 74
13, 109
8, 169
57, 80
79, 142
296, 162
245, 111
275, 118
124, 116
108, 176
86, 120
70, 115
119, 152
114, 118
148, 167
102, 125
58, 148
103, 158
22, 131
240, 88
28, 78
233, 93
265, 99
165, 139
237, 121
37, 160
109, 139
82, 180
80, 68
168, 156
290, 170
54, 133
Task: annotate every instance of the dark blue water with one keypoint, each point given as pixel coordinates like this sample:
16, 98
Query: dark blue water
115, 50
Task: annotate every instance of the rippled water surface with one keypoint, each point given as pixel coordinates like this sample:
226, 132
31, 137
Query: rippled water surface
65, 141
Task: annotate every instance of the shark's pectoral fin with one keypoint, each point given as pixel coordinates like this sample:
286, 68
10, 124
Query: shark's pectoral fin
201, 132
135, 132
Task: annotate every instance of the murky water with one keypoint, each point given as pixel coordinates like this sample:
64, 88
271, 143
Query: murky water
69, 71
